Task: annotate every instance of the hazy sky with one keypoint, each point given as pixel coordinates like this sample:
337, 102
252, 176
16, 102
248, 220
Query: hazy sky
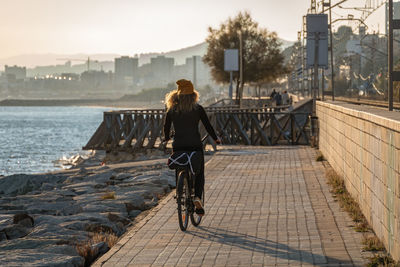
131, 26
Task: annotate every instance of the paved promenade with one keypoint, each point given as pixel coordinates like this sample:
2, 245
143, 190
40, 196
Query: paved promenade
265, 206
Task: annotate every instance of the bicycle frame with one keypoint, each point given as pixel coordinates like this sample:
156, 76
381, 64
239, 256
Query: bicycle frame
188, 176
185, 196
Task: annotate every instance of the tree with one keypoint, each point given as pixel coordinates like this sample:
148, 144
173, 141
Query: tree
262, 57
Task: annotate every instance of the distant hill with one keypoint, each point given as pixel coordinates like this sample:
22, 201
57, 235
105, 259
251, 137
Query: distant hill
48, 60
286, 44
196, 50
179, 55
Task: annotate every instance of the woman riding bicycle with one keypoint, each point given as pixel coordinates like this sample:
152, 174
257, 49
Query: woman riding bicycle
184, 113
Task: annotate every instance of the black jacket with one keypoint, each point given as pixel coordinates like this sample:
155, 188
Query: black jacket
186, 126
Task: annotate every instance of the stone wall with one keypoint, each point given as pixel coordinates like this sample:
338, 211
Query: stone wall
363, 146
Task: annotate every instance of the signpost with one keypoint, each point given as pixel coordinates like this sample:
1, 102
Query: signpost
317, 35
317, 56
231, 63
317, 48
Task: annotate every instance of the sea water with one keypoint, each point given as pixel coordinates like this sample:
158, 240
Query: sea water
32, 139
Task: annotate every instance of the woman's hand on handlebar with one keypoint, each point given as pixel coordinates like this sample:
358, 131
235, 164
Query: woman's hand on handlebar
164, 144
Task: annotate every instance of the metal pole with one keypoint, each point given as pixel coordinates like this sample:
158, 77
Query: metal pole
299, 62
331, 45
310, 82
323, 71
351, 73
305, 70
241, 69
231, 86
313, 6
323, 84
315, 73
390, 56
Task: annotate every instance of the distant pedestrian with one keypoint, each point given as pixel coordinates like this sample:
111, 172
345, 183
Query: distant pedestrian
278, 99
285, 98
273, 94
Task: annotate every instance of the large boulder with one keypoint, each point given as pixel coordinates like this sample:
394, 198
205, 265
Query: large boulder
135, 206
70, 210
3, 236
85, 187
28, 243
5, 220
121, 176
101, 177
23, 219
20, 184
105, 206
58, 233
59, 208
16, 231
134, 213
117, 217
75, 225
50, 227
100, 248
47, 187
39, 258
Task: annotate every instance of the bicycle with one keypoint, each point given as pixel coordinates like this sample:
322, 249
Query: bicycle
185, 197
185, 183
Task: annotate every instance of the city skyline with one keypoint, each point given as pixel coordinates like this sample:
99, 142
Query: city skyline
131, 27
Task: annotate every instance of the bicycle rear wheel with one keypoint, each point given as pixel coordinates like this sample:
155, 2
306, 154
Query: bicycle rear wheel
194, 217
182, 197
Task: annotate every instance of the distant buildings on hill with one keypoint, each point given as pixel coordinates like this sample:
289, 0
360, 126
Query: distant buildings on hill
126, 76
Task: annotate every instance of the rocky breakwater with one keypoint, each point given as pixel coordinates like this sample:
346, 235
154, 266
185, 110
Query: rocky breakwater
69, 218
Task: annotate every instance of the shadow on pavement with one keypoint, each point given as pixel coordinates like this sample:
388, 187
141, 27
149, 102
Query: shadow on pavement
265, 246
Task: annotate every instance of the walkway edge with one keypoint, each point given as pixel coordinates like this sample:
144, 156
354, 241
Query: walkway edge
131, 231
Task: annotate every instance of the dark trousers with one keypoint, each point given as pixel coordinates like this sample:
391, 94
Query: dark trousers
199, 176
199, 180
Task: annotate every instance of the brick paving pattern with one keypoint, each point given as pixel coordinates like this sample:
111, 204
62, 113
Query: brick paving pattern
265, 206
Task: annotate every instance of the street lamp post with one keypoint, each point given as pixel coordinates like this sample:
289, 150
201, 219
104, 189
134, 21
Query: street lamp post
316, 62
299, 62
331, 47
241, 68
390, 56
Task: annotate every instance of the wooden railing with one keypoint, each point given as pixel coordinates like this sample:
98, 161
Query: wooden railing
263, 128
129, 130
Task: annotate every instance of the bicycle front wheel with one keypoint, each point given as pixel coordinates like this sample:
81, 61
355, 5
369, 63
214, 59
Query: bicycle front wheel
182, 197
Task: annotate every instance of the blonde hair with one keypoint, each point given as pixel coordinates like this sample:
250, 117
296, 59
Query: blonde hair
180, 102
